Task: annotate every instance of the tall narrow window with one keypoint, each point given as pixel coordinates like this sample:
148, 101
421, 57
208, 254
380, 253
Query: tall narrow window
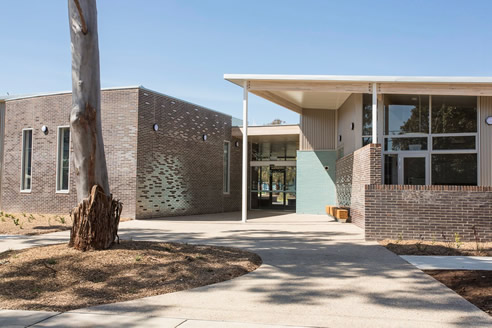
63, 159
26, 178
227, 166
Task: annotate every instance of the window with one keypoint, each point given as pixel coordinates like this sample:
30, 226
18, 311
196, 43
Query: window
454, 114
454, 169
366, 119
406, 114
63, 159
433, 139
227, 166
26, 166
274, 151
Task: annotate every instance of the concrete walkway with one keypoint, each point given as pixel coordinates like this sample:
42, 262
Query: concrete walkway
316, 273
449, 262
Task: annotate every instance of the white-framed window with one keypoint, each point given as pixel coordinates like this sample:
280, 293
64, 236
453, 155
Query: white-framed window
26, 165
227, 167
63, 160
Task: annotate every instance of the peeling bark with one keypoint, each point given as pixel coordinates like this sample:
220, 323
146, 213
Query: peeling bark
91, 175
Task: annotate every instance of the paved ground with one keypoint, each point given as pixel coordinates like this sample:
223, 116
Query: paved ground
450, 262
316, 273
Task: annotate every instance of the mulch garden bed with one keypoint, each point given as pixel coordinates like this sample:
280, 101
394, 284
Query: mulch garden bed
420, 247
59, 278
34, 224
474, 286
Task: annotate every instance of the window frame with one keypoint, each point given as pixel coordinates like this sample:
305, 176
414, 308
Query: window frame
430, 149
228, 168
22, 166
59, 128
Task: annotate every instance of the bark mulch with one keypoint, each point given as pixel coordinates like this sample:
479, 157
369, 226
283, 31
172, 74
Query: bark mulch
34, 224
59, 278
451, 248
474, 286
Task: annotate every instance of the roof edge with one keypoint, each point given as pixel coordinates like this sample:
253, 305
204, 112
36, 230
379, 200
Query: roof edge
238, 78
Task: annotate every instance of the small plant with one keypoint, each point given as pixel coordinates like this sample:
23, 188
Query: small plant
1, 213
138, 258
400, 238
3, 219
419, 244
15, 220
24, 214
478, 245
21, 226
449, 244
51, 261
457, 240
62, 220
31, 218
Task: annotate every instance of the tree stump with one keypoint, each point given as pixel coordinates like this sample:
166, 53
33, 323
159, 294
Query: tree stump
95, 221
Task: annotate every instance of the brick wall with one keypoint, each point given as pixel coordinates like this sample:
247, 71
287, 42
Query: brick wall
119, 119
353, 173
429, 212
179, 173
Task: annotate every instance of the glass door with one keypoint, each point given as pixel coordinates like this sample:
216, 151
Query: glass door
273, 187
413, 169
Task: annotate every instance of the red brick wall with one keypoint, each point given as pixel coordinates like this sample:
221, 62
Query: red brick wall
428, 212
179, 173
353, 173
119, 119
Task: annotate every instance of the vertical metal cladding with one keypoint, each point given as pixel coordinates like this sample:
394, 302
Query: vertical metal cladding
317, 129
485, 142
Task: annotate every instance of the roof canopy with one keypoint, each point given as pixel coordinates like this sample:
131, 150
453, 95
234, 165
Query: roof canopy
298, 92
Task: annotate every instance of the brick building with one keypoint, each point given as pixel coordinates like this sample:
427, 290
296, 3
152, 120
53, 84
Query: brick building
165, 156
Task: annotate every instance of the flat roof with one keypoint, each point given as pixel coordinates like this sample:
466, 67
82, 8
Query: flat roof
239, 79
329, 92
43, 94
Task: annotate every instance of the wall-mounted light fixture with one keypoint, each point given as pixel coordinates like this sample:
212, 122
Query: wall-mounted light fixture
352, 125
236, 143
155, 127
488, 120
44, 129
204, 137
340, 138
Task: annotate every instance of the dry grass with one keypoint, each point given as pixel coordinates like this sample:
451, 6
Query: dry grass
34, 224
59, 278
451, 248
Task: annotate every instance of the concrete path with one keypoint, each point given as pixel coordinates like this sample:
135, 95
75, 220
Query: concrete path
316, 273
450, 262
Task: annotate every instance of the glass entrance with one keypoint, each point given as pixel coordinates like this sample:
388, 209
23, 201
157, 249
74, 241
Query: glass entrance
273, 187
406, 169
414, 171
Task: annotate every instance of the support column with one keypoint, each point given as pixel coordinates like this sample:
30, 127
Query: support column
244, 213
374, 113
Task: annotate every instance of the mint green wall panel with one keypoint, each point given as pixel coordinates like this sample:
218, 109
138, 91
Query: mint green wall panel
315, 184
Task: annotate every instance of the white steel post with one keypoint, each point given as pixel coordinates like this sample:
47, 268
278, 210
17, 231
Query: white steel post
374, 113
245, 154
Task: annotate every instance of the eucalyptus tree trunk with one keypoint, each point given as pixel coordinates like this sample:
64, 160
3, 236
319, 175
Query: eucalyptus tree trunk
96, 217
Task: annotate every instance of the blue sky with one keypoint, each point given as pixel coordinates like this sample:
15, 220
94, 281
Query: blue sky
183, 48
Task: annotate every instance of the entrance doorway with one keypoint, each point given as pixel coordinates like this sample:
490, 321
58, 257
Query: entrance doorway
406, 169
273, 187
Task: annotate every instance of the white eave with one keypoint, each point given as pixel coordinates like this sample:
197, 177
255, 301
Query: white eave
240, 78
329, 92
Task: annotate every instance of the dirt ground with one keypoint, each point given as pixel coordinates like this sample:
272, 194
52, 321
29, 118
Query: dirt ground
59, 278
453, 248
34, 224
474, 286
